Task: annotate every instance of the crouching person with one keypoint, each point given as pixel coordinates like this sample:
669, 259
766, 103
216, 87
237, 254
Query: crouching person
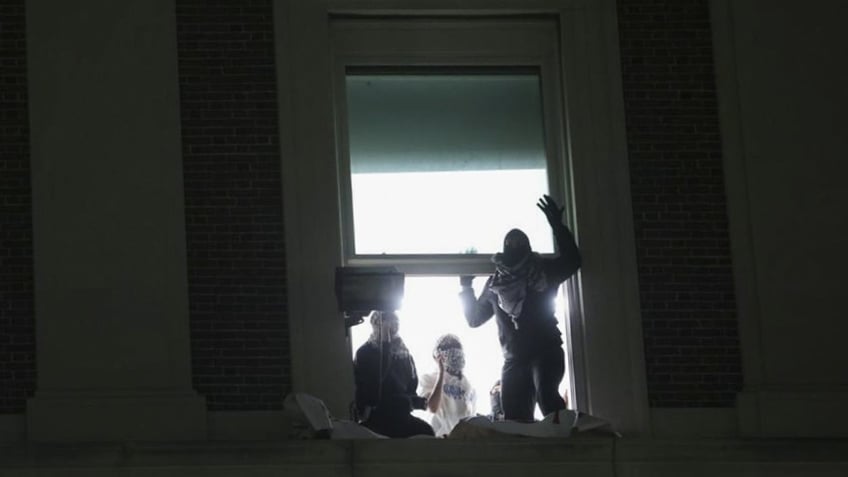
386, 382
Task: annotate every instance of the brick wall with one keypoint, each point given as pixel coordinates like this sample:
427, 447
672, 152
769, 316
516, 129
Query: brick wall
17, 323
234, 223
679, 206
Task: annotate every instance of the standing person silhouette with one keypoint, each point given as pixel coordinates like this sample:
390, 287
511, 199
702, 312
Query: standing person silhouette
520, 294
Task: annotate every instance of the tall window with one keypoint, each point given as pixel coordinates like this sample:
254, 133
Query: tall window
442, 150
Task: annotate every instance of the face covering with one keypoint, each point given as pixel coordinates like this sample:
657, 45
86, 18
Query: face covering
516, 248
384, 327
517, 270
449, 348
384, 334
454, 360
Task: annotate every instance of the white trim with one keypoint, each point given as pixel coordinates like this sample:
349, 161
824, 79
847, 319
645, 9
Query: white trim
320, 358
109, 247
738, 210
612, 330
290, 192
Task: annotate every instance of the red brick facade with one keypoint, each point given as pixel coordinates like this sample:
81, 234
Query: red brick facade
233, 200
679, 205
17, 327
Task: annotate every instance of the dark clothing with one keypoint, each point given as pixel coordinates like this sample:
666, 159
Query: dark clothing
526, 382
538, 324
533, 358
386, 386
397, 425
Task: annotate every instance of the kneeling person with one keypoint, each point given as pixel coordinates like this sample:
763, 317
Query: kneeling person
386, 381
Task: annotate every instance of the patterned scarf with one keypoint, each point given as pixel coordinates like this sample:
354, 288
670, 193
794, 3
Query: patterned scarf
454, 360
395, 346
510, 283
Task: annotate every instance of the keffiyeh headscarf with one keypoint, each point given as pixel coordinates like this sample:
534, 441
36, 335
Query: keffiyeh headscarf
517, 270
384, 332
450, 348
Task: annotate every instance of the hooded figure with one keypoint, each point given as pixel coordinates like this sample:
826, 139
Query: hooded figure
386, 381
520, 295
517, 270
450, 396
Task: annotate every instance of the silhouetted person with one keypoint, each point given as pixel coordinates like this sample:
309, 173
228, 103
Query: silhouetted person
450, 396
520, 294
386, 382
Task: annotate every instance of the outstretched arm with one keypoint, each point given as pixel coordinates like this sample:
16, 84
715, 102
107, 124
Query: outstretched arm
477, 310
569, 259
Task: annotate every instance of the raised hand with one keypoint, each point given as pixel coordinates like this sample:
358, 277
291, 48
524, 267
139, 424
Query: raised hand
552, 211
465, 280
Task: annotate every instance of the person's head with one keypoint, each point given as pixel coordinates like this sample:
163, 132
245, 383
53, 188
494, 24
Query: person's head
384, 325
516, 247
449, 348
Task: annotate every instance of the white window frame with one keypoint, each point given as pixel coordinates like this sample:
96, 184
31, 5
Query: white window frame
445, 45
431, 45
607, 331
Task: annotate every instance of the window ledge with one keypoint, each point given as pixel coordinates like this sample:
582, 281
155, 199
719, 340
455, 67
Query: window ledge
500, 456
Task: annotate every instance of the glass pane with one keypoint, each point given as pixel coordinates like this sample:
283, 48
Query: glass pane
445, 163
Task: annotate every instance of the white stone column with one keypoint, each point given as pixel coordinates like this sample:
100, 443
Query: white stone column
781, 75
111, 296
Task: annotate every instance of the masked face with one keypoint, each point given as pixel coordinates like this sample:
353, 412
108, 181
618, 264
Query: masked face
449, 349
386, 324
516, 247
454, 360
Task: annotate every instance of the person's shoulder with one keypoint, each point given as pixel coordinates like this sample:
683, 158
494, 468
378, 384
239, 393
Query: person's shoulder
365, 349
367, 345
548, 261
552, 267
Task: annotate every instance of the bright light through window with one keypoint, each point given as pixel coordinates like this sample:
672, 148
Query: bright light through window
430, 309
447, 212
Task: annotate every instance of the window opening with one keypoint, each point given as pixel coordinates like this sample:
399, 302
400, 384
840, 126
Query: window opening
444, 161
431, 308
